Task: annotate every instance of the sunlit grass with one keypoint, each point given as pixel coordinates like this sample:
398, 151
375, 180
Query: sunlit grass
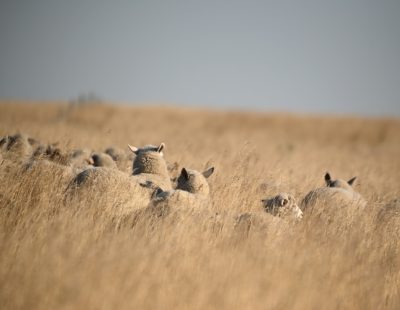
55, 255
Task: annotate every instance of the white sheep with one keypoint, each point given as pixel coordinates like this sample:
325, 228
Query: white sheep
192, 192
108, 188
116, 189
81, 159
261, 224
17, 147
149, 166
336, 193
279, 212
115, 152
283, 205
52, 153
194, 182
122, 159
103, 160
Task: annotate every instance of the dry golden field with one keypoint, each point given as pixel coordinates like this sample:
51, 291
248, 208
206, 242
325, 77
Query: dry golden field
59, 256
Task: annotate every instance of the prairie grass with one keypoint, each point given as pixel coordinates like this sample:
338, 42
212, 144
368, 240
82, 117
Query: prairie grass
55, 255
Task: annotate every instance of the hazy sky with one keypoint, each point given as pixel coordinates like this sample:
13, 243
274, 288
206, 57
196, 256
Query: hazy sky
310, 56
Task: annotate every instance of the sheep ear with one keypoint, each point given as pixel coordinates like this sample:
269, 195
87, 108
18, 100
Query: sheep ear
208, 172
328, 178
351, 181
160, 148
133, 148
156, 192
185, 174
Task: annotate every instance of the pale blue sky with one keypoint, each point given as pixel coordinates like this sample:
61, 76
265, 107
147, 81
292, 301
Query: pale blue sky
308, 56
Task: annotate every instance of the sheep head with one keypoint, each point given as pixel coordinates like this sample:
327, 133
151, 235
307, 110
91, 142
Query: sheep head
194, 182
339, 183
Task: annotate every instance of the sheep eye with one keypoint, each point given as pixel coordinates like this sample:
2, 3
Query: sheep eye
285, 201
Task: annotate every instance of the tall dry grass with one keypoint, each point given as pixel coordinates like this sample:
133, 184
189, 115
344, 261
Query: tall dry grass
57, 256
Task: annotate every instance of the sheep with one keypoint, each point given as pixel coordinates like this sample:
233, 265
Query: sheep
337, 193
258, 222
52, 153
195, 182
283, 205
149, 166
17, 147
109, 188
103, 160
278, 213
121, 158
192, 192
115, 153
188, 203
118, 190
20, 147
81, 158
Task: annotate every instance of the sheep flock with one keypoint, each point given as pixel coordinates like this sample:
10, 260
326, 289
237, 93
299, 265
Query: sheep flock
121, 208
92, 175
88, 176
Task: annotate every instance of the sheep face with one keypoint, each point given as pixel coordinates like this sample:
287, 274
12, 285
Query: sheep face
194, 182
283, 205
339, 183
149, 159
